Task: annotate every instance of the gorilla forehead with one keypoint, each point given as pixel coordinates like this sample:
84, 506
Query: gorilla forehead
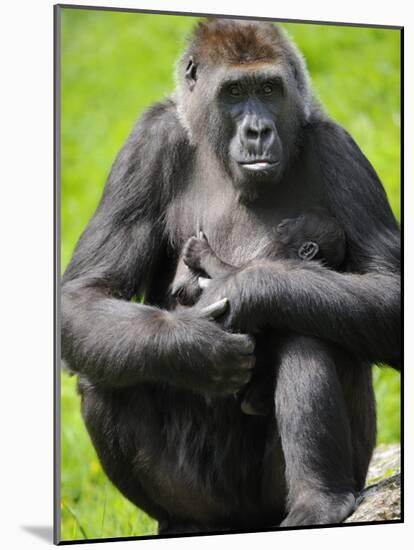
236, 42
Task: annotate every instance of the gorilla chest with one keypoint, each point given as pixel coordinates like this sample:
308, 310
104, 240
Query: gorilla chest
236, 230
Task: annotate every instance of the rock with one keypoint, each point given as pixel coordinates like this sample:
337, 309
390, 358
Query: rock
381, 498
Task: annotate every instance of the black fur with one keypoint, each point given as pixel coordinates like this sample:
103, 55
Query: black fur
313, 236
158, 385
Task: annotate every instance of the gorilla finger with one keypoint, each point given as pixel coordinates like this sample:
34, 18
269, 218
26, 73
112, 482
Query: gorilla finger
247, 363
239, 369
186, 252
244, 342
203, 282
247, 408
237, 383
241, 378
216, 309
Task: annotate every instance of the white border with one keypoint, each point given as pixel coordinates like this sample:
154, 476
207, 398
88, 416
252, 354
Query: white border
26, 267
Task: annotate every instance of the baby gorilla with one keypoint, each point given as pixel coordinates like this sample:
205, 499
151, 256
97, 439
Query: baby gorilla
313, 236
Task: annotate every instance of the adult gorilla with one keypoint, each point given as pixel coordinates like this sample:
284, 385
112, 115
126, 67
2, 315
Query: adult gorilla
240, 146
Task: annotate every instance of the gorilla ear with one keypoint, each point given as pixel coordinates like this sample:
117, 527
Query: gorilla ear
308, 250
191, 73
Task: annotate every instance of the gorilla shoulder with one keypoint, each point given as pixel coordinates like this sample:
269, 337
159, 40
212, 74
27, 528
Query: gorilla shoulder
160, 124
153, 157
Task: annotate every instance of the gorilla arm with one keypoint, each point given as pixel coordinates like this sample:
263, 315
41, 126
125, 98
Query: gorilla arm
360, 309
106, 337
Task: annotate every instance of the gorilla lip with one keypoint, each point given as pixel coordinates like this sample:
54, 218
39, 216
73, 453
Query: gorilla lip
259, 165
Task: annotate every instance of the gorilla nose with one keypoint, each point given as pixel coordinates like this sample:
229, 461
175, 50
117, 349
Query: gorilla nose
257, 134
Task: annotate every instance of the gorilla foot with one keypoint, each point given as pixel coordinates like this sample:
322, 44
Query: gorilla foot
177, 528
180, 527
320, 509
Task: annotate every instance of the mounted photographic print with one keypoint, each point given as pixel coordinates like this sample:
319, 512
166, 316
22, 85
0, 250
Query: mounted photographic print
228, 311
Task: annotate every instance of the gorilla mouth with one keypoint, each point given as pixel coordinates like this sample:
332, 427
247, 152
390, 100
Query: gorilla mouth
260, 164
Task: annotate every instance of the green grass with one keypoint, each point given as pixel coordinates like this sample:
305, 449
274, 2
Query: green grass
91, 507
113, 66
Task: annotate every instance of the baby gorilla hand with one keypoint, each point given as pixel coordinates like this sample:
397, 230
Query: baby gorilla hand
196, 253
185, 288
199, 256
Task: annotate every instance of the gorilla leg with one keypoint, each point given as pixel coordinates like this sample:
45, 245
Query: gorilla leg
315, 434
356, 381
170, 527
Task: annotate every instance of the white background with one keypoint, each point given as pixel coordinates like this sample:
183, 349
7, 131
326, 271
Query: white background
26, 284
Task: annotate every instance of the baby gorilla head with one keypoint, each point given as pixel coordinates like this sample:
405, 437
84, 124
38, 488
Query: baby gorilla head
315, 235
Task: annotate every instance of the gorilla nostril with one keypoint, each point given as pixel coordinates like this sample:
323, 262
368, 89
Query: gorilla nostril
252, 134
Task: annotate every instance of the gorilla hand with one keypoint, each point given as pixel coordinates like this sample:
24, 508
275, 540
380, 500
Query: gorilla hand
202, 356
242, 288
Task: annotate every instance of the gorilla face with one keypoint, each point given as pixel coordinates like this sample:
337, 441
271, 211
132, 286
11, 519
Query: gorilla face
245, 115
245, 101
249, 107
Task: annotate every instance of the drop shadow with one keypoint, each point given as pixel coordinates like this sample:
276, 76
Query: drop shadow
44, 532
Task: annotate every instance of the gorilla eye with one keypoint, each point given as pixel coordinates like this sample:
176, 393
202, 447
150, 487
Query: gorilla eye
234, 90
267, 88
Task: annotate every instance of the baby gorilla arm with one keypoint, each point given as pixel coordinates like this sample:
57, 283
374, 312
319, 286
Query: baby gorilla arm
197, 260
199, 256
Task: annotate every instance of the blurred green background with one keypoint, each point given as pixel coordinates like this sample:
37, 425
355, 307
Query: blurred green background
114, 65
